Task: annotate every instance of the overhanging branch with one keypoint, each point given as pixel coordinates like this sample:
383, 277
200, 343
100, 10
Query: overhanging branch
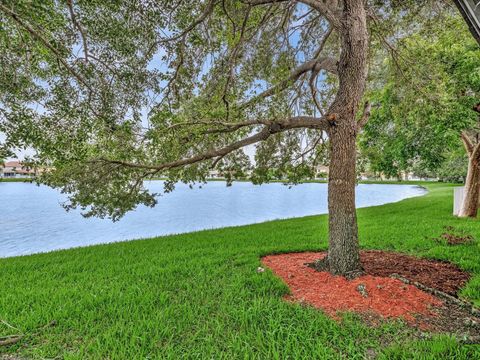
269, 128
203, 16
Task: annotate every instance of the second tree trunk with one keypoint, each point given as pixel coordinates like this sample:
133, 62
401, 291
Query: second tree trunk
472, 191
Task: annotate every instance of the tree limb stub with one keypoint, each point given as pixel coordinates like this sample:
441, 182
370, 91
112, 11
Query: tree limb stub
467, 143
365, 116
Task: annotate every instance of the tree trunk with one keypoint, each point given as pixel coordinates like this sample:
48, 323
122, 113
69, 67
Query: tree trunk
343, 252
472, 190
471, 194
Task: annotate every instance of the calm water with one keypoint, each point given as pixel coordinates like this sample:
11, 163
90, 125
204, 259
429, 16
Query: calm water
32, 220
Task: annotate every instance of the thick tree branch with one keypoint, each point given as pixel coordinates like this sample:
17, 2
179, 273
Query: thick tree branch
260, 136
476, 154
472, 149
270, 128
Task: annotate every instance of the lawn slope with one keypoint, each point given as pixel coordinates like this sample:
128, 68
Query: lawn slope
198, 295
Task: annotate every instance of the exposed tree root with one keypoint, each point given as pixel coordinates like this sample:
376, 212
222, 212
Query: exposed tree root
440, 294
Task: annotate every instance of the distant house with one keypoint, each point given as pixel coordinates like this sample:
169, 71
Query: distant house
214, 174
15, 169
321, 172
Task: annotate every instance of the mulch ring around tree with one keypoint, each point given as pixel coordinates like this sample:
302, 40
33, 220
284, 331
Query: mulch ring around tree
421, 292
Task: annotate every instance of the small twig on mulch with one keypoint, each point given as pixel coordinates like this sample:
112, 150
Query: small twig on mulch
444, 296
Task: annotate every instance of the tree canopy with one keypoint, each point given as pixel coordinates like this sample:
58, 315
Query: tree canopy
425, 101
111, 93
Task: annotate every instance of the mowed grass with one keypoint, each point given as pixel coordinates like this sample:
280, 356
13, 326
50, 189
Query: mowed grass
198, 295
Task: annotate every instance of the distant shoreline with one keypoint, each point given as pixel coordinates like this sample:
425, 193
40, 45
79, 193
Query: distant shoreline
17, 179
319, 181
390, 182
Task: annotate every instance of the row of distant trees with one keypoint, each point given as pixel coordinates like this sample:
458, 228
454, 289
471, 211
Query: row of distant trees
428, 117
453, 168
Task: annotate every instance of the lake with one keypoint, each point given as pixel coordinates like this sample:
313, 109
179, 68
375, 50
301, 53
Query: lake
32, 220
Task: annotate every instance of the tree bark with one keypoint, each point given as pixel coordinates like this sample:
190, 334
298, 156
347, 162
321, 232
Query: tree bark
472, 190
471, 194
343, 252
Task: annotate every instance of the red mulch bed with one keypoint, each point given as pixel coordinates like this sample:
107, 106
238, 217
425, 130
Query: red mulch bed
385, 297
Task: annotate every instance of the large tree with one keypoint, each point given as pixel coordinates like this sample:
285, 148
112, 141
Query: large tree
429, 105
112, 93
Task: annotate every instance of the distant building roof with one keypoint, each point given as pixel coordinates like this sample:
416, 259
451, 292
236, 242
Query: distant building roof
13, 164
16, 167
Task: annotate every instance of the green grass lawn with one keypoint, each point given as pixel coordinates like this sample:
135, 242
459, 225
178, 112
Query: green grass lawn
199, 296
